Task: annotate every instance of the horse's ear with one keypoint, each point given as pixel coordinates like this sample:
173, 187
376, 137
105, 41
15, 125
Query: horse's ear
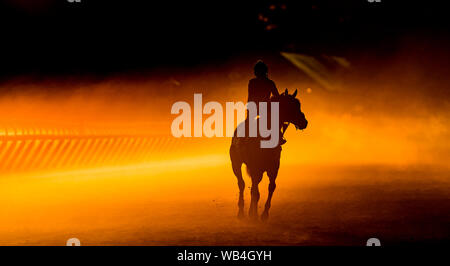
286, 92
295, 93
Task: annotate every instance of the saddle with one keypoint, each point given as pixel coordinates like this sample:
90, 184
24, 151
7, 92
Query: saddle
247, 140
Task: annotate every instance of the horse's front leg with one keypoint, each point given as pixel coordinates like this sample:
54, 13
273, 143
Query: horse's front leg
241, 185
253, 211
272, 185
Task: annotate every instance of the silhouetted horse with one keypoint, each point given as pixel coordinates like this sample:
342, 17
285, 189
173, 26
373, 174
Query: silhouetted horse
245, 150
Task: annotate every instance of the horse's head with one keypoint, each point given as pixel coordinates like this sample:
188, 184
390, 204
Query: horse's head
290, 110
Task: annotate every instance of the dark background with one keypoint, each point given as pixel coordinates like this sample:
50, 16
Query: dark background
101, 37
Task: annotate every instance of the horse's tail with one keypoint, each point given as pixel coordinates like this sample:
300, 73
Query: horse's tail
236, 161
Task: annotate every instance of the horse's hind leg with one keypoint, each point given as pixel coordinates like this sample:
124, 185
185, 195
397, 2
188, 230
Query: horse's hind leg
272, 186
238, 173
256, 179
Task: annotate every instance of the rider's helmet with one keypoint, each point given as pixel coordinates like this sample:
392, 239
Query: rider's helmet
260, 69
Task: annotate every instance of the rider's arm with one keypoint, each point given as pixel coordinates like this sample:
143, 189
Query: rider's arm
274, 90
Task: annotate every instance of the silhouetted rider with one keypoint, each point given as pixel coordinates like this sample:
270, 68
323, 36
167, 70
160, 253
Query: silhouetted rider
261, 88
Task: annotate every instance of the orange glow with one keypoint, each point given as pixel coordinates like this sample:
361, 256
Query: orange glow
101, 159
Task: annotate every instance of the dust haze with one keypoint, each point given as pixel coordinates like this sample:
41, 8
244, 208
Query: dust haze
373, 161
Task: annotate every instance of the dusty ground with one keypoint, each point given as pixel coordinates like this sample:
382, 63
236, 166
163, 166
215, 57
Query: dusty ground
313, 205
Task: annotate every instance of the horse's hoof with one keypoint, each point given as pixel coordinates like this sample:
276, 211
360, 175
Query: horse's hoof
264, 216
241, 215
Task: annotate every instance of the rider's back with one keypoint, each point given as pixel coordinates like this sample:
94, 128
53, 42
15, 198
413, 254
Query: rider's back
260, 89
